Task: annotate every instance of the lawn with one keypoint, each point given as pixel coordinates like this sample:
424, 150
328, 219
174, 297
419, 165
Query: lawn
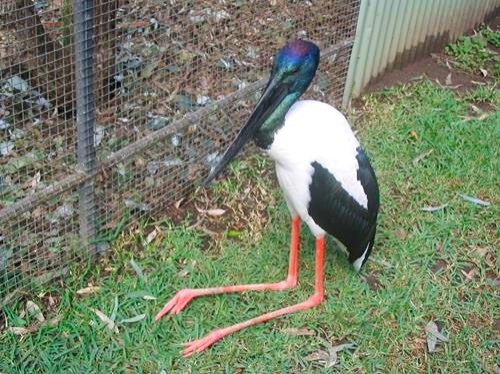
435, 152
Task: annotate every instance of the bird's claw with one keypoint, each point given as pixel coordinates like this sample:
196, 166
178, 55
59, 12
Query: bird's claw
176, 303
199, 345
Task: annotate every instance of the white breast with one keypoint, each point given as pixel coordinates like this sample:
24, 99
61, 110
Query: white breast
315, 131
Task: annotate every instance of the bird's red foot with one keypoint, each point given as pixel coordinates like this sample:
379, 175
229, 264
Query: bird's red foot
203, 343
177, 303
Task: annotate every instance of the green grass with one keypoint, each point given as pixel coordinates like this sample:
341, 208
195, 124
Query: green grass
426, 148
473, 53
487, 94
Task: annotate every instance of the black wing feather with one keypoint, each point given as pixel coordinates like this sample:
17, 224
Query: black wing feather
336, 212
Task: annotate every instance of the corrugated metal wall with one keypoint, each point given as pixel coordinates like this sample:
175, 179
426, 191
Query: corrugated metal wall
392, 33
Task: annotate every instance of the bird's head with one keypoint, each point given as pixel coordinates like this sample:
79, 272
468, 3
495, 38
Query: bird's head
294, 67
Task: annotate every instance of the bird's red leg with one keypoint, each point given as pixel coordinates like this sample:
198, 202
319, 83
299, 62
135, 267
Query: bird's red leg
183, 297
205, 342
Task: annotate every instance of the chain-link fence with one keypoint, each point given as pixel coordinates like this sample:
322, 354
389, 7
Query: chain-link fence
112, 110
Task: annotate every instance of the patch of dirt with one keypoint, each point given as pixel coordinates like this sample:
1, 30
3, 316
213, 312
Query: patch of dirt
372, 280
49, 303
493, 278
437, 67
438, 266
433, 67
244, 209
468, 271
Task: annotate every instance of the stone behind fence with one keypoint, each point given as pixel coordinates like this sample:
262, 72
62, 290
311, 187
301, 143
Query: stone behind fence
110, 111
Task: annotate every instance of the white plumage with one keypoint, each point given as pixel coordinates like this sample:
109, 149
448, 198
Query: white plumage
315, 131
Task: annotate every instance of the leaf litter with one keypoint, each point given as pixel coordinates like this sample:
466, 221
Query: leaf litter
214, 212
20, 331
433, 208
434, 336
474, 200
88, 290
141, 294
328, 358
109, 322
134, 319
34, 310
420, 157
302, 331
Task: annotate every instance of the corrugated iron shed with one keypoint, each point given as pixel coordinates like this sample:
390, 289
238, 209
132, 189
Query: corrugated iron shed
393, 33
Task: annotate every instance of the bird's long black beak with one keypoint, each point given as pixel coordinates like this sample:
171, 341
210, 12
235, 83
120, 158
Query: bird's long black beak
274, 93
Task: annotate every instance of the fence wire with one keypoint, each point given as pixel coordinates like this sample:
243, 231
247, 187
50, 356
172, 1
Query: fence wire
111, 111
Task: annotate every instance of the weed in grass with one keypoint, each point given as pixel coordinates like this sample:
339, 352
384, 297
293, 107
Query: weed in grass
472, 53
487, 94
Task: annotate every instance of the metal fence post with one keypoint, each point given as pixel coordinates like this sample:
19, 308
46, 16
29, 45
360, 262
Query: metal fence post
86, 156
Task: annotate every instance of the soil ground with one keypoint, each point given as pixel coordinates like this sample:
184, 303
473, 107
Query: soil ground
434, 67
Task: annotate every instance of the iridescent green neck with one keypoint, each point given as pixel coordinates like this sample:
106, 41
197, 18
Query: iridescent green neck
264, 137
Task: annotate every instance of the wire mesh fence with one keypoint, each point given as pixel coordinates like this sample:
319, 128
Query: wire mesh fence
112, 110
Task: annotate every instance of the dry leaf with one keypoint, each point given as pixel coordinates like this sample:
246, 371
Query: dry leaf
329, 358
28, 330
34, 310
20, 330
469, 275
153, 235
54, 321
401, 234
88, 290
149, 297
478, 83
448, 80
433, 336
183, 273
476, 109
484, 72
438, 247
133, 24
36, 179
420, 157
37, 212
110, 324
216, 212
413, 134
320, 355
483, 116
481, 251
433, 208
475, 200
299, 331
137, 318
490, 260
178, 203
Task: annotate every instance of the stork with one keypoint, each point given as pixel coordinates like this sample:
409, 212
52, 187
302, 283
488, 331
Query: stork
326, 177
